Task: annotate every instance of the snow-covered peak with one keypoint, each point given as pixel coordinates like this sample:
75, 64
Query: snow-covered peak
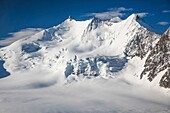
136, 19
69, 20
133, 17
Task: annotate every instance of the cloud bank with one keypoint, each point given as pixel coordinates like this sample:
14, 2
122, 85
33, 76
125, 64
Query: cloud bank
166, 11
110, 13
163, 23
19, 35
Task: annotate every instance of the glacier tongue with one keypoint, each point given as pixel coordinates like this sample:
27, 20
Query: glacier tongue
75, 49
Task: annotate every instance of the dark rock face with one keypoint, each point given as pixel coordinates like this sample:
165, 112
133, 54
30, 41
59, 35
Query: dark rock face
165, 80
143, 40
141, 44
159, 60
31, 47
93, 24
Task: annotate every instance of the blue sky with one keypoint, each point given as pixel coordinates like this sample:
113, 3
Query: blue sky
16, 15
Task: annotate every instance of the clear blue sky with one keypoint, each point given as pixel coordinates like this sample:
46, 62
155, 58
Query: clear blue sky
20, 14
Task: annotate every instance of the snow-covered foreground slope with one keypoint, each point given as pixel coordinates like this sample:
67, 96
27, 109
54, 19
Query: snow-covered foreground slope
90, 96
88, 66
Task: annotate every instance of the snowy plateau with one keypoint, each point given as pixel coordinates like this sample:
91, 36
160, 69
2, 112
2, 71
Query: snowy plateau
92, 66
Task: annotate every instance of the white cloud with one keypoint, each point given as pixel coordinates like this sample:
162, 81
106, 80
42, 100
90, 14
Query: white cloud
120, 9
144, 14
19, 35
166, 11
112, 12
163, 23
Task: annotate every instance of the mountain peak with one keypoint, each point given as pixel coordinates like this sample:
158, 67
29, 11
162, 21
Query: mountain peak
69, 18
133, 17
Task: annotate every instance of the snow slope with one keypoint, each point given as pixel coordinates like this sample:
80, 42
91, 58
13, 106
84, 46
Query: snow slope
90, 66
90, 96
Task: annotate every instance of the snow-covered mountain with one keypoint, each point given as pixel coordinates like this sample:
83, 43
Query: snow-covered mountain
74, 50
90, 66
